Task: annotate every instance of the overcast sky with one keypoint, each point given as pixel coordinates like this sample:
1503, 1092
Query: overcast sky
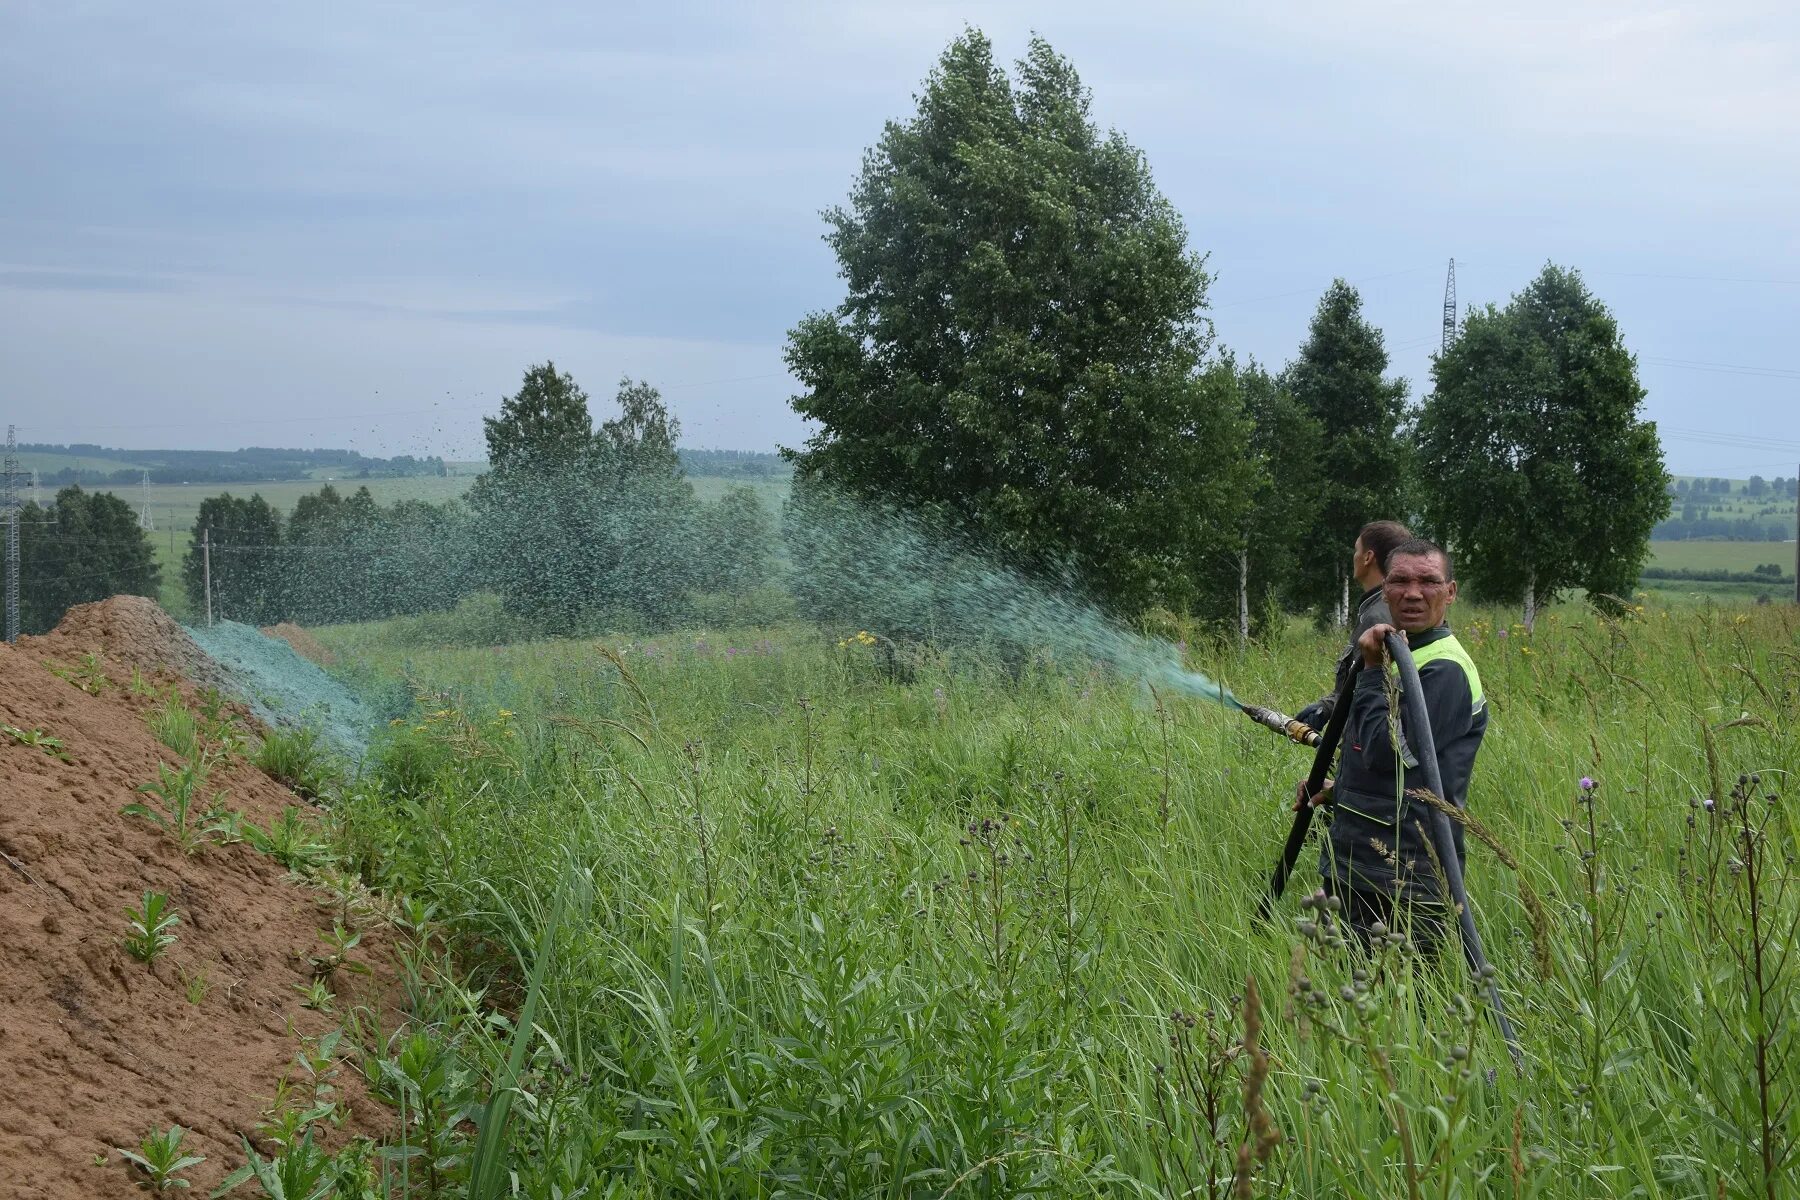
356, 224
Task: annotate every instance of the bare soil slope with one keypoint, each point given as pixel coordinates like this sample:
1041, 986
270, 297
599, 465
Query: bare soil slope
96, 1047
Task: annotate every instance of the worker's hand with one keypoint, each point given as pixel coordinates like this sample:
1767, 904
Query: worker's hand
1373, 644
1319, 800
1313, 715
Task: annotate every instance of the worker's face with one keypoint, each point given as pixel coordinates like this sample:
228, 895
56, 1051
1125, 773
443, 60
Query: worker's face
1417, 592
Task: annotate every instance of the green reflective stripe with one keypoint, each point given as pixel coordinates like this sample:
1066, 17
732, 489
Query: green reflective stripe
1448, 647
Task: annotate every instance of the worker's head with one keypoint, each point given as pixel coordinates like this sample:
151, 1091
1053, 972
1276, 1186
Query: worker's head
1374, 542
1420, 585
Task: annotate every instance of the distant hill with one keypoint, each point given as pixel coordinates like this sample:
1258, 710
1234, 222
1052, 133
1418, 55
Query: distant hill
104, 466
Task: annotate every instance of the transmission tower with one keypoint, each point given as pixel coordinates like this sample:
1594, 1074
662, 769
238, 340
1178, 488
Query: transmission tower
145, 520
1450, 307
9, 511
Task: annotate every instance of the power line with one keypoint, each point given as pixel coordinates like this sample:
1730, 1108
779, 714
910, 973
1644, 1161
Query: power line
1685, 364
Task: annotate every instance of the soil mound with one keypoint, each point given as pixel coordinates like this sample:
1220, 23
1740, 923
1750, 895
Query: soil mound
304, 644
132, 631
98, 1048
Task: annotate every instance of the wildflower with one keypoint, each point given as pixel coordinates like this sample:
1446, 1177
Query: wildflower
732, 652
1499, 633
1587, 784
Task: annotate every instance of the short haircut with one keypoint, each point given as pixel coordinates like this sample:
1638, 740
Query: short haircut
1420, 548
1380, 538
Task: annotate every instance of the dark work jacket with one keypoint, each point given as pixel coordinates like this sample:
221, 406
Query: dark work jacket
1371, 611
1378, 835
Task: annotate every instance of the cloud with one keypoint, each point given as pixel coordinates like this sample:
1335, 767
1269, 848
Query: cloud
456, 190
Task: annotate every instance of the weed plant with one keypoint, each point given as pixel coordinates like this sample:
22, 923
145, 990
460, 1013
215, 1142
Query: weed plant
37, 739
174, 725
299, 759
160, 1159
179, 812
152, 925
953, 926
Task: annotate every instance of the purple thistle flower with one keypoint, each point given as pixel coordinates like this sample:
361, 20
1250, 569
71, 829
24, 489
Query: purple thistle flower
1500, 633
1587, 784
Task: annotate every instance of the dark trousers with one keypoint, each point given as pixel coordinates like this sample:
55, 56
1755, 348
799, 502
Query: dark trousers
1425, 922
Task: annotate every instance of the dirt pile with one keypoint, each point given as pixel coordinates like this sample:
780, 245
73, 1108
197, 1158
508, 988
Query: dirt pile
128, 631
304, 644
97, 1048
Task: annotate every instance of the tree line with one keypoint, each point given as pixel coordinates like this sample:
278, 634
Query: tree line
252, 464
576, 527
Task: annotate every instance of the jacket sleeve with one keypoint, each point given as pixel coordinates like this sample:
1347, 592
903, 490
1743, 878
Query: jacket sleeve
1448, 705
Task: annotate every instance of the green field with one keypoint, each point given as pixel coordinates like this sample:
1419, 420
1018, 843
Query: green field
33, 460
837, 928
1726, 556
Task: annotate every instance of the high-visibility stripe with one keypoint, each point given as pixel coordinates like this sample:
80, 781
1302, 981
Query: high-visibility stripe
1448, 647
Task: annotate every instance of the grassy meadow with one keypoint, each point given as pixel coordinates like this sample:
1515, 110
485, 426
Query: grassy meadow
804, 919
1722, 556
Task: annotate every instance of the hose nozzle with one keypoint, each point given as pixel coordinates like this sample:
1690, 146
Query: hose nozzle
1288, 727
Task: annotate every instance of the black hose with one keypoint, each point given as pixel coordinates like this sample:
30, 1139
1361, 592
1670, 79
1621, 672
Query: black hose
1418, 732
1323, 756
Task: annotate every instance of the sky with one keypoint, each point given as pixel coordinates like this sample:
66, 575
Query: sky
357, 224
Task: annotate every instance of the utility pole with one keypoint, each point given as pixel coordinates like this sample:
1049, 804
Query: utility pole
145, 520
1450, 307
1797, 537
9, 510
37, 497
206, 568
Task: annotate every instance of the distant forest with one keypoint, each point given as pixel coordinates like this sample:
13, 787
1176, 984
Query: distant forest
262, 464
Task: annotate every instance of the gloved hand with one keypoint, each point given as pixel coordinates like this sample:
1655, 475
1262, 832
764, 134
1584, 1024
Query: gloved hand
1315, 714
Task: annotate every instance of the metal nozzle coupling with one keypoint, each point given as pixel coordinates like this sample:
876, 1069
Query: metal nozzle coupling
1286, 726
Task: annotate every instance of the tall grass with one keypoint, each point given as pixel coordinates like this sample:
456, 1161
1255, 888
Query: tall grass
954, 930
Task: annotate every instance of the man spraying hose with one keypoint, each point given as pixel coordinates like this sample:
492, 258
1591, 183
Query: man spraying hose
1378, 859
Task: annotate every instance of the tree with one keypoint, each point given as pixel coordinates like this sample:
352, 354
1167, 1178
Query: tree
249, 572
1535, 465
579, 525
1287, 502
1758, 486
737, 547
1362, 472
1017, 355
543, 428
83, 546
